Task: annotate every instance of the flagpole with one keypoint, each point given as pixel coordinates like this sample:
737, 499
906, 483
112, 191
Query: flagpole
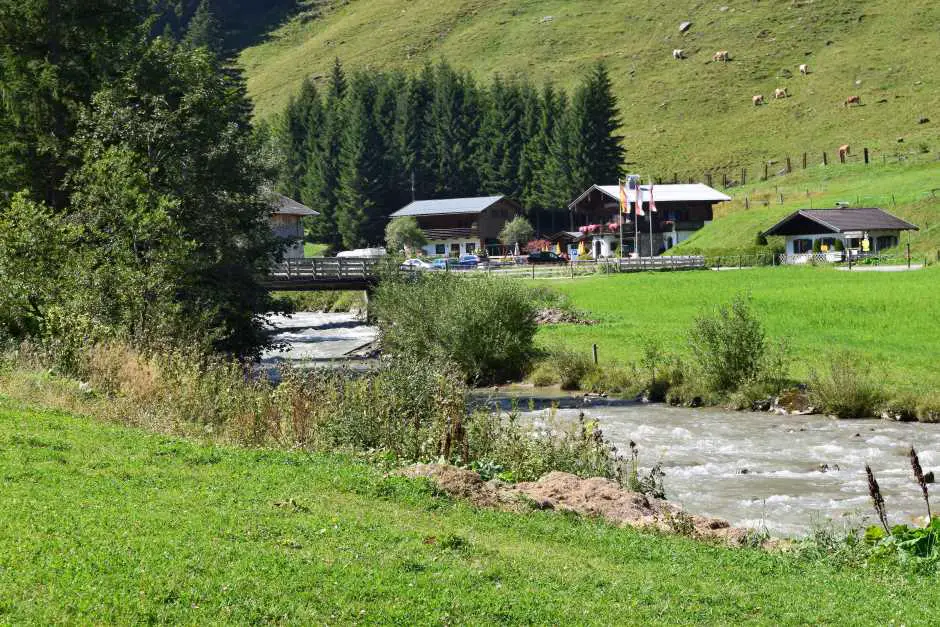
636, 226
649, 215
620, 218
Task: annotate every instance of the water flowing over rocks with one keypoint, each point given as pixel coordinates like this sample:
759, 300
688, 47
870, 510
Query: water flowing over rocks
596, 497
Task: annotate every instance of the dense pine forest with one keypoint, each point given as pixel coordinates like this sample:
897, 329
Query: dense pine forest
374, 141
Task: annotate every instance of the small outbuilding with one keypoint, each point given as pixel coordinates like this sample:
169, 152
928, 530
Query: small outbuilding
832, 231
457, 226
287, 222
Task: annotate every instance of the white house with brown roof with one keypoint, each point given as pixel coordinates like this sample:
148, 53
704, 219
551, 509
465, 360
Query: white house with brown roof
459, 226
863, 230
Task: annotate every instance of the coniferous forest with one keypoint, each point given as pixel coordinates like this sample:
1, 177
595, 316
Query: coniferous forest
360, 147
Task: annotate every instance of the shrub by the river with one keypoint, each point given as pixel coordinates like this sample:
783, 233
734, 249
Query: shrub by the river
481, 325
928, 408
847, 388
728, 346
407, 410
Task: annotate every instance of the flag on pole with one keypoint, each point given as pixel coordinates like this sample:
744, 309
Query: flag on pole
638, 203
624, 207
652, 202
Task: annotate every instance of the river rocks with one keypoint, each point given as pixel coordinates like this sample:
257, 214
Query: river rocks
828, 468
596, 497
928, 477
763, 404
561, 316
794, 402
899, 414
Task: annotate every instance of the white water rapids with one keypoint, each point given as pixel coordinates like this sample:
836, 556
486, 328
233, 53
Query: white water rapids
781, 473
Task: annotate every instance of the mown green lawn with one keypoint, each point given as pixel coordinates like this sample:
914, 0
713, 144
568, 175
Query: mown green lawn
888, 320
104, 524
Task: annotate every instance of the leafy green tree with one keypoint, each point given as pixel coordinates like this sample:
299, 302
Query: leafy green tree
404, 234
516, 231
186, 208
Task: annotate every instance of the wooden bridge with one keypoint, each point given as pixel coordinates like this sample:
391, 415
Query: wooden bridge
360, 273
324, 274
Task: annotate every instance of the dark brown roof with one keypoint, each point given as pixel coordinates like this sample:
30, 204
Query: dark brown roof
839, 221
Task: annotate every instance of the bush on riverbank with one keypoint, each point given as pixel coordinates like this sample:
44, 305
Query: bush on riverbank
847, 388
483, 326
407, 410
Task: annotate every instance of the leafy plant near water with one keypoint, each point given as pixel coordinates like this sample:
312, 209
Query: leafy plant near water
846, 388
920, 545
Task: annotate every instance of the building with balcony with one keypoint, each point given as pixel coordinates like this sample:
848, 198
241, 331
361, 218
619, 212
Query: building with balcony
459, 226
681, 211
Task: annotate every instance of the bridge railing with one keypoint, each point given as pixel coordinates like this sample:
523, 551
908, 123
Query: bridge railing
325, 269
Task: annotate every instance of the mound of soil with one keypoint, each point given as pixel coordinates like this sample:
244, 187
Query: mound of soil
596, 497
561, 316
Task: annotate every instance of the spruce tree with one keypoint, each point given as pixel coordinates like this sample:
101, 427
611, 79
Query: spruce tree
453, 134
598, 126
358, 212
203, 30
300, 126
500, 142
321, 181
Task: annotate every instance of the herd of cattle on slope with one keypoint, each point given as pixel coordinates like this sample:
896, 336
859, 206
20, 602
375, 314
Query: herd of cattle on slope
723, 56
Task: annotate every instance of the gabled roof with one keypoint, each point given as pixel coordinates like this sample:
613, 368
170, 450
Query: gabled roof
449, 206
842, 220
284, 206
683, 192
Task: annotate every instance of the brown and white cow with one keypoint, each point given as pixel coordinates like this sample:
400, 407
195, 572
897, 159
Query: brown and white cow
758, 100
721, 55
852, 100
781, 93
843, 151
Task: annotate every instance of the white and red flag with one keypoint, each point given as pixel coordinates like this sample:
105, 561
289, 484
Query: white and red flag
652, 201
638, 203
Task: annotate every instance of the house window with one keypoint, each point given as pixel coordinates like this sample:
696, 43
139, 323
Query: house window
455, 249
470, 247
801, 246
886, 241
440, 249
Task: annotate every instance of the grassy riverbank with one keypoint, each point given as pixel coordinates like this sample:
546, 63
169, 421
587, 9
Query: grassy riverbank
110, 524
888, 320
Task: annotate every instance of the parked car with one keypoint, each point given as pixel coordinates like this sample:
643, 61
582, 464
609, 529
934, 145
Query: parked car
440, 264
546, 256
468, 261
417, 264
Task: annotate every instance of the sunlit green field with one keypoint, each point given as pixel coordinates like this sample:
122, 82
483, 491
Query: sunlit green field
103, 524
889, 320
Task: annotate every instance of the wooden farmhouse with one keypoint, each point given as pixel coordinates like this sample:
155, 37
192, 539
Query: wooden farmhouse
681, 211
830, 232
286, 220
459, 226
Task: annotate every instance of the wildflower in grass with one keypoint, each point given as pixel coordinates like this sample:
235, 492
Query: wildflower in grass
921, 481
877, 499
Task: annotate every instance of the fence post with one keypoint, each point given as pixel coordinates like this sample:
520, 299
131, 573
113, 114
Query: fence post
675, 177
804, 160
765, 171
789, 167
866, 156
747, 203
825, 159
724, 180
781, 198
594, 352
743, 176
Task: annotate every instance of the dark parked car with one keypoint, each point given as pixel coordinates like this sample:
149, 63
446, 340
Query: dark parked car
546, 256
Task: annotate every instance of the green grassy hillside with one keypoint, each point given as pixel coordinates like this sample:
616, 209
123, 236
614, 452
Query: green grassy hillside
107, 525
681, 116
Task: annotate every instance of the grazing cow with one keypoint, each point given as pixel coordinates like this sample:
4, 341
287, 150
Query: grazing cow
721, 55
781, 93
804, 69
852, 100
758, 100
843, 151
678, 53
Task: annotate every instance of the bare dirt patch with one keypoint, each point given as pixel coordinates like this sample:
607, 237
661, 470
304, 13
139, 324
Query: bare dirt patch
596, 497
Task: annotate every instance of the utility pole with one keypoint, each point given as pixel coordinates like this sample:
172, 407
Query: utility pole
412, 186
